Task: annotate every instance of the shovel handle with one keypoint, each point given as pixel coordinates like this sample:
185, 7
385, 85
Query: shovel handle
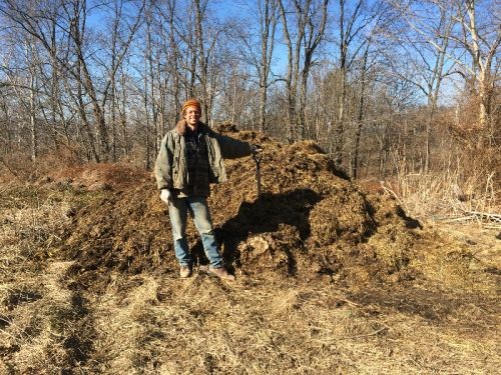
257, 159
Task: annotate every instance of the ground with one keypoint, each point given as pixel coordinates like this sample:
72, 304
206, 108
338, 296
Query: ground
331, 279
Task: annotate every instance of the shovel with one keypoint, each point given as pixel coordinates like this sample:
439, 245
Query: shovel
257, 158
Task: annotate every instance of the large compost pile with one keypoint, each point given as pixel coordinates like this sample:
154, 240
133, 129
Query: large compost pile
309, 221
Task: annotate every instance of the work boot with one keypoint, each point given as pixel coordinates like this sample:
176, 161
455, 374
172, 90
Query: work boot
185, 271
222, 273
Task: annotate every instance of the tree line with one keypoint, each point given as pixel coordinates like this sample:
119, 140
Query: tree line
384, 86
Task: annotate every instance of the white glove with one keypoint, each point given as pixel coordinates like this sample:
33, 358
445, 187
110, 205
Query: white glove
166, 195
256, 148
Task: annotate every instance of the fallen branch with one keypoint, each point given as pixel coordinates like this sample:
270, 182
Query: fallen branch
392, 193
462, 218
492, 226
487, 215
493, 220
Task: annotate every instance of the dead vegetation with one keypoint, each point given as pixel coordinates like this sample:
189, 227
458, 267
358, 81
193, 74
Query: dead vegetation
40, 318
330, 279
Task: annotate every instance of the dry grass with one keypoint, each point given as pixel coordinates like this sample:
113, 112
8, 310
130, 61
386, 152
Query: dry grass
360, 319
17, 165
161, 325
38, 313
446, 195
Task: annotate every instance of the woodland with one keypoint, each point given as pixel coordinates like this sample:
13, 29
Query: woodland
387, 88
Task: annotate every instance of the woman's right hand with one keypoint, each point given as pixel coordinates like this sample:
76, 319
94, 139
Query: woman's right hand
166, 195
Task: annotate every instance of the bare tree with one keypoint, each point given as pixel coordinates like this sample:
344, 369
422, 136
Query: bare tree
73, 16
32, 57
267, 10
360, 116
303, 34
22, 75
352, 22
481, 40
426, 47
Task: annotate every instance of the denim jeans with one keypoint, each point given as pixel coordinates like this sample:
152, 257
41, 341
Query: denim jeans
198, 208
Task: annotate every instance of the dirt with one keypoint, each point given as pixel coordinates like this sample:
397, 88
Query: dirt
330, 278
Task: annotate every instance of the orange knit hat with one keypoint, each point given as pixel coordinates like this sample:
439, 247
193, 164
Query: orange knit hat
191, 103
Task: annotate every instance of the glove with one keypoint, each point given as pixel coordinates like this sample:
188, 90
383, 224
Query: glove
166, 195
256, 149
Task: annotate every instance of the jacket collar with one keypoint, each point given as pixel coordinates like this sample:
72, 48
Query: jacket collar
181, 127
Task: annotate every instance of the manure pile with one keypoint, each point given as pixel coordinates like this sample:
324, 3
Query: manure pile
310, 221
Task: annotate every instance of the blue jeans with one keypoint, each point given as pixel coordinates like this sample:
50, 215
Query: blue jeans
198, 208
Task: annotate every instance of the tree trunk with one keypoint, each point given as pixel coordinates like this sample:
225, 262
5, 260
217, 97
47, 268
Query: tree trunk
85, 121
147, 121
33, 123
31, 60
123, 118
360, 116
268, 21
290, 95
